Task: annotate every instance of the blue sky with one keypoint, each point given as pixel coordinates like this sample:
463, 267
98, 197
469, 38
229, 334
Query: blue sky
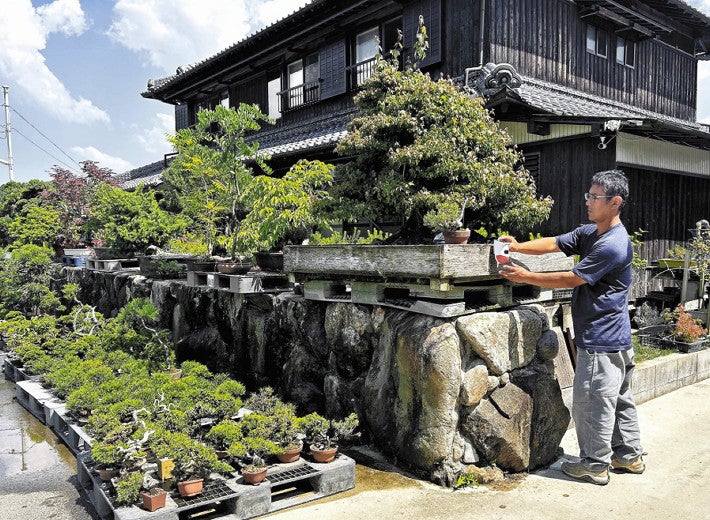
76, 69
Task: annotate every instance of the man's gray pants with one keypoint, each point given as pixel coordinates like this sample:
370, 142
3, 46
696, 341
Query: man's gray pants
603, 408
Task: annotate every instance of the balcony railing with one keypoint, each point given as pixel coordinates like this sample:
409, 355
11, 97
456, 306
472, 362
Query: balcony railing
300, 95
360, 71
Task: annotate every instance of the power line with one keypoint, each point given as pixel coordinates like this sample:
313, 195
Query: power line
71, 168
47, 138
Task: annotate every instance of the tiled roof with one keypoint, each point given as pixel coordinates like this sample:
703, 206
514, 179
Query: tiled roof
570, 103
312, 135
148, 175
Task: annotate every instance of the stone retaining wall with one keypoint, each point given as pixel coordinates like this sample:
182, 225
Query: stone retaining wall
437, 394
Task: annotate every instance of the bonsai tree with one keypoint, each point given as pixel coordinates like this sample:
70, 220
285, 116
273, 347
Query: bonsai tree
325, 434
417, 144
287, 208
131, 221
128, 489
683, 327
192, 458
69, 193
209, 173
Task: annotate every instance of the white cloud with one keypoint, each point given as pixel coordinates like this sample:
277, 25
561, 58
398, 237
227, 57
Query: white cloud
63, 16
153, 139
180, 32
89, 153
22, 38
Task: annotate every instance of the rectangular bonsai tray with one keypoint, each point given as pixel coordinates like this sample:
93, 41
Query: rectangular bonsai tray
447, 262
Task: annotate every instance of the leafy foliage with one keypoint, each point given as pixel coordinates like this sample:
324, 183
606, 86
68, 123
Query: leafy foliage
209, 174
131, 220
28, 280
417, 143
70, 193
286, 208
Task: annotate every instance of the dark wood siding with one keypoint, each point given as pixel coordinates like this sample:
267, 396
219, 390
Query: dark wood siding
546, 39
663, 204
431, 11
254, 90
332, 69
666, 205
565, 170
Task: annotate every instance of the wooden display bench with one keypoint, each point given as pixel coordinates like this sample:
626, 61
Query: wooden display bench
250, 283
437, 280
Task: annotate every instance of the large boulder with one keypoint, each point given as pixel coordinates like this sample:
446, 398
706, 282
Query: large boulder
504, 340
499, 428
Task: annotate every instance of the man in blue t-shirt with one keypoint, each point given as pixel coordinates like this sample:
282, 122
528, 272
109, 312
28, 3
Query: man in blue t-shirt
603, 408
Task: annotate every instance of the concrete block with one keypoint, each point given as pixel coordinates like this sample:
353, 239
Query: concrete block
643, 381
339, 477
253, 502
703, 364
667, 375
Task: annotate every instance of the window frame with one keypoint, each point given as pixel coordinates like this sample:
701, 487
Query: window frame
592, 36
625, 45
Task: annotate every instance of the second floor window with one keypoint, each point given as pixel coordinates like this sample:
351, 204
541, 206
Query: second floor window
303, 81
596, 41
625, 52
366, 48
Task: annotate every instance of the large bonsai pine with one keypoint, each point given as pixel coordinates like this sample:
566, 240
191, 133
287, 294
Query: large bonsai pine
417, 143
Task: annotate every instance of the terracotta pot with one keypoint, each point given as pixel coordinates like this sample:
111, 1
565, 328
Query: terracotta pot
154, 499
327, 455
457, 237
291, 455
190, 488
254, 478
229, 267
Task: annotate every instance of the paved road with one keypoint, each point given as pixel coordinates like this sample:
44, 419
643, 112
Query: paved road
37, 472
676, 434
38, 482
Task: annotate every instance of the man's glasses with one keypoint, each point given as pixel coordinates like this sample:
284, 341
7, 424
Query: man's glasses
590, 196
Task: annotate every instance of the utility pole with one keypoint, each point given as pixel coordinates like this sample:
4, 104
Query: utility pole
8, 134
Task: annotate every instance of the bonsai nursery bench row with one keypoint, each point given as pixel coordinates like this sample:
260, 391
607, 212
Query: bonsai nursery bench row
94, 264
286, 485
250, 283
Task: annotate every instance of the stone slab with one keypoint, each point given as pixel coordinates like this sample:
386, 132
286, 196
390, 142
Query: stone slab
436, 262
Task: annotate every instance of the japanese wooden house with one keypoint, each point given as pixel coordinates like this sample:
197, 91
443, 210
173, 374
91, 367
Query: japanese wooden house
581, 86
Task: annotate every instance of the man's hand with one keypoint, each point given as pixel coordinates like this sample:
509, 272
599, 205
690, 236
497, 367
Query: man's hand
514, 273
511, 240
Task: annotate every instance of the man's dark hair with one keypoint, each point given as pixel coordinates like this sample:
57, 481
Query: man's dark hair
614, 183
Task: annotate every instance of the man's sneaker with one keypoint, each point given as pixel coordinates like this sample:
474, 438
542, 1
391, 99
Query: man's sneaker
579, 471
631, 466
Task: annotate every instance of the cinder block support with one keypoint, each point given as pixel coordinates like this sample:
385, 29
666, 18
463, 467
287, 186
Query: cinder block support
256, 502
339, 477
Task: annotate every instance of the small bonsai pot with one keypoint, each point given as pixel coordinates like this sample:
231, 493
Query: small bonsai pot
290, 455
255, 476
190, 488
233, 267
154, 498
323, 456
